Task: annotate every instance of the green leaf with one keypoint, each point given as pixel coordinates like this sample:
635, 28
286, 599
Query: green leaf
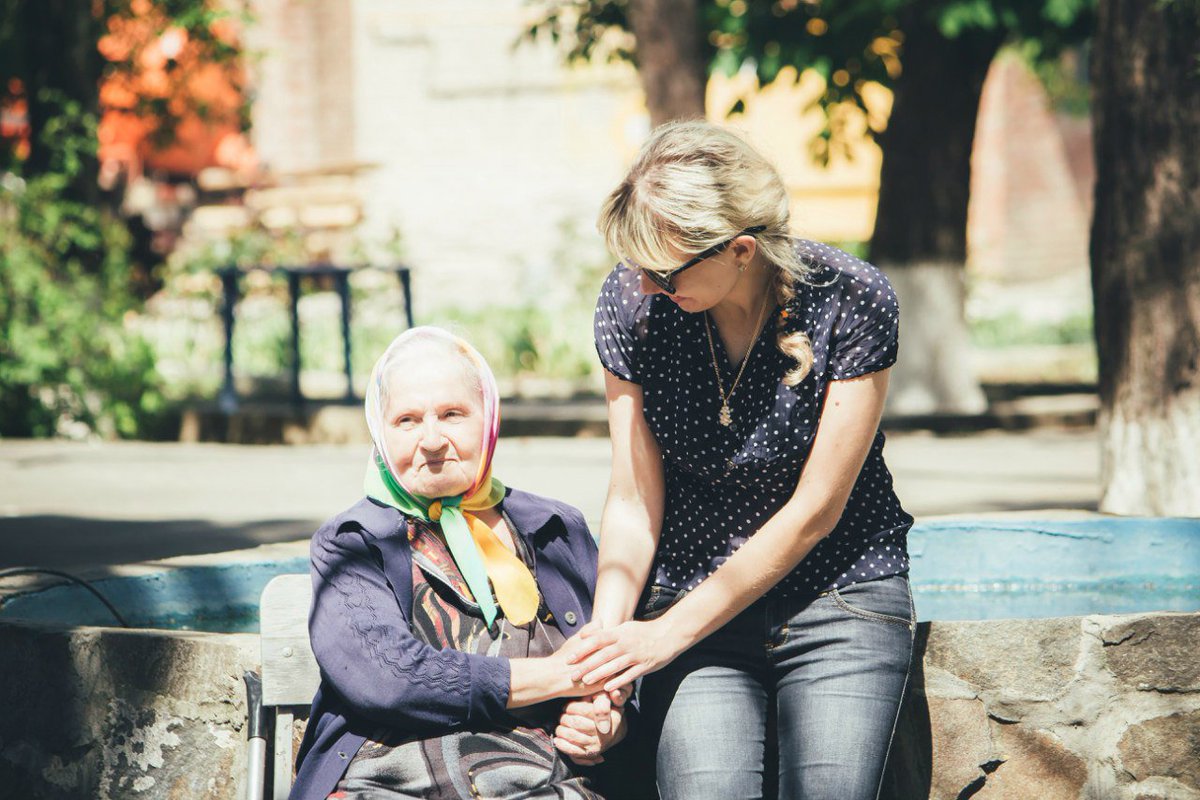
961, 15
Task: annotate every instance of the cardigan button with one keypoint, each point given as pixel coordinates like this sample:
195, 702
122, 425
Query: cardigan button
570, 617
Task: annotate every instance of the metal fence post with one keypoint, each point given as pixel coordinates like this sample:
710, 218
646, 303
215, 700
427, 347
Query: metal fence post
293, 279
227, 401
342, 282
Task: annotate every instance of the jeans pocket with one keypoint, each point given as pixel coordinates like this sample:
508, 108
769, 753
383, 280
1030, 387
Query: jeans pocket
883, 600
658, 601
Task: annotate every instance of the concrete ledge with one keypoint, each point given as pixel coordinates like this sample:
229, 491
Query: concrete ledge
105, 713
206, 592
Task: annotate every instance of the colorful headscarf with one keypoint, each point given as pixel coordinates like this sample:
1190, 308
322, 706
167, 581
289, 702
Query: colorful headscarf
477, 551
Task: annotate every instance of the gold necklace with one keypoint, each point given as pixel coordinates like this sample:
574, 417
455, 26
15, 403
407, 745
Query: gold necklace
725, 416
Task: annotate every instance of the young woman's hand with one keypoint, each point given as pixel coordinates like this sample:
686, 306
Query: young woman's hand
536, 680
560, 663
578, 736
619, 656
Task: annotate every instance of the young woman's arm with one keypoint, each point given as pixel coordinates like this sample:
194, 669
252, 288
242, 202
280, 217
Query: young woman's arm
633, 510
847, 428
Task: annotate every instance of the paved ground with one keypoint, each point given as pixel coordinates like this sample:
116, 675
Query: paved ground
88, 506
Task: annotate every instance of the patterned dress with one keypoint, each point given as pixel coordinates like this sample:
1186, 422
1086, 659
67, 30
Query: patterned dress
517, 762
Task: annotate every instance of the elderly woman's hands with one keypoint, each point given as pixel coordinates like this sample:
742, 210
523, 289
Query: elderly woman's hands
593, 723
580, 736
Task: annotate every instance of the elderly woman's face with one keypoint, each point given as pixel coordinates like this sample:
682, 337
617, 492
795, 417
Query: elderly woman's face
433, 426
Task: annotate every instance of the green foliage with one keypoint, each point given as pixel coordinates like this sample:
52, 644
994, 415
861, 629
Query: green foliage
537, 342
72, 355
855, 247
528, 341
51, 50
546, 334
200, 20
848, 42
69, 360
250, 247
1067, 88
583, 29
1012, 329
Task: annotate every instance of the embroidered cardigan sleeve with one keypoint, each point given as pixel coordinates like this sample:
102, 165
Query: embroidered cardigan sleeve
368, 654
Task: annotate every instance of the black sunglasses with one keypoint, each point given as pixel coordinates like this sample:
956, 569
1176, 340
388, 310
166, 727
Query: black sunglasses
666, 280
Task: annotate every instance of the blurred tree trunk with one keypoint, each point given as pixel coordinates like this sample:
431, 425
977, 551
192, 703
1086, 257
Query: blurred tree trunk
1145, 253
672, 64
920, 236
61, 64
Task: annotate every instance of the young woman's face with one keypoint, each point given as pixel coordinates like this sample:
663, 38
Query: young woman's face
706, 284
433, 426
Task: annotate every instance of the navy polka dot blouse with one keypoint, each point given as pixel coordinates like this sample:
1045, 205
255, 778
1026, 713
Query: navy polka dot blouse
723, 483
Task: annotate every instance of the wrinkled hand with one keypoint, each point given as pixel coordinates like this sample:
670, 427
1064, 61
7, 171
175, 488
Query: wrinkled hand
604, 702
619, 656
578, 735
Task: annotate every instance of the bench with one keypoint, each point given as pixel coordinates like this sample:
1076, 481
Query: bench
287, 683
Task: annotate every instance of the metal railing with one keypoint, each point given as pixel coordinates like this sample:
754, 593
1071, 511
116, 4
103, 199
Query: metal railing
227, 400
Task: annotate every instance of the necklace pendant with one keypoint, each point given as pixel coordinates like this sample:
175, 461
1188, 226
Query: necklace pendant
725, 418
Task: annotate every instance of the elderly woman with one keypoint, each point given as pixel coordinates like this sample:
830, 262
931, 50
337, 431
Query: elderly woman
444, 606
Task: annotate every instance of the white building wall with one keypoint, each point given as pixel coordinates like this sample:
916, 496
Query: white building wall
483, 150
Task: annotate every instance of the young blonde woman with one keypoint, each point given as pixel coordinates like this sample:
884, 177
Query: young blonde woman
752, 564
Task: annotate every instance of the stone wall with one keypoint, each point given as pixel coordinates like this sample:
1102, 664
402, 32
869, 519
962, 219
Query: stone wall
1085, 708
1072, 708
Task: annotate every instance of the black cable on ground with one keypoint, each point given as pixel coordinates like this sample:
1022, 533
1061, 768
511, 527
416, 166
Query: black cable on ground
10, 571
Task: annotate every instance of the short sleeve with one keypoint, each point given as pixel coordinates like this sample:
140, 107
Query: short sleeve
865, 337
619, 324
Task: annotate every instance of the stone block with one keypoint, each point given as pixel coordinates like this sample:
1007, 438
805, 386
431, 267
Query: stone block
1167, 746
1035, 765
1031, 659
962, 746
1165, 793
1155, 652
1155, 789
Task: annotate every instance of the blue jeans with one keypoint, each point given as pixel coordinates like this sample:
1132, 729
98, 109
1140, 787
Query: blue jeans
792, 698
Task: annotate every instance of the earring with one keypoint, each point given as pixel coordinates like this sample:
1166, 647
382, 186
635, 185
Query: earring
741, 268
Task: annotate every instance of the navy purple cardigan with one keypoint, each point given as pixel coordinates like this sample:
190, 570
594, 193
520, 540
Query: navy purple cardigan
374, 671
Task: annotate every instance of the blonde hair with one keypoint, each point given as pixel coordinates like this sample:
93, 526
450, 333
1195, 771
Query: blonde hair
693, 185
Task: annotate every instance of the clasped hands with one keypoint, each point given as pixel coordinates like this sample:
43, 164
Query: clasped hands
604, 663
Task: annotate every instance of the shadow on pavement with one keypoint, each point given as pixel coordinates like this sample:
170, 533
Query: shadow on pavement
63, 542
